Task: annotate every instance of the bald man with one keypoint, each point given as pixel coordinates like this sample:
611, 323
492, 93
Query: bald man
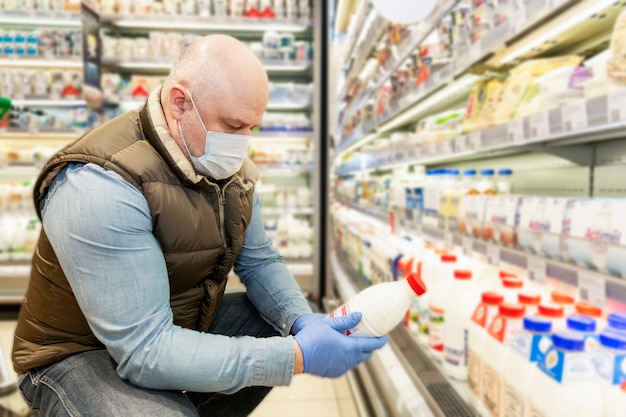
143, 218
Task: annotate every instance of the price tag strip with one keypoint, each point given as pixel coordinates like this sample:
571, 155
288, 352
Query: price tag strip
493, 255
592, 288
617, 105
515, 131
574, 116
539, 125
537, 270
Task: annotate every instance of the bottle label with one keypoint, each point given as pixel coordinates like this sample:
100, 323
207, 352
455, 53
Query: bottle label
474, 369
344, 310
513, 403
491, 389
435, 329
455, 341
610, 367
531, 346
503, 329
568, 367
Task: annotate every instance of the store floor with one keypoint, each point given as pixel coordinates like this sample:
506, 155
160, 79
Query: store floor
306, 396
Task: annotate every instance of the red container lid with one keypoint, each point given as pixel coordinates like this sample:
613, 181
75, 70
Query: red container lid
492, 298
441, 251
416, 284
462, 274
561, 298
448, 258
430, 246
512, 283
529, 298
504, 274
512, 310
550, 310
586, 309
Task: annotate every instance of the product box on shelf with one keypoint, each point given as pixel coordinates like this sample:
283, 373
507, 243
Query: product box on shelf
472, 215
594, 233
501, 216
541, 224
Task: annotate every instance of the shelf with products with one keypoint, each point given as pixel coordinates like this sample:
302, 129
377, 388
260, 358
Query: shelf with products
36, 62
40, 18
500, 48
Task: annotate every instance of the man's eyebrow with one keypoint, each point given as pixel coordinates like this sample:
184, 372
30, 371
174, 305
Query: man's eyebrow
233, 121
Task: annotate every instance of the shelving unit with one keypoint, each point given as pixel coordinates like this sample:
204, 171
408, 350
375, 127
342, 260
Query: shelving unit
579, 146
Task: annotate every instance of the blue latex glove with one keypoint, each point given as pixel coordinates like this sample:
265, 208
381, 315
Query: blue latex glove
304, 320
330, 353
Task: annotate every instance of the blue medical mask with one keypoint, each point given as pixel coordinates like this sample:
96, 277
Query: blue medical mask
223, 155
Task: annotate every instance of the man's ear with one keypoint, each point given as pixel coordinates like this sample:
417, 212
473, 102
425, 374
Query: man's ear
176, 103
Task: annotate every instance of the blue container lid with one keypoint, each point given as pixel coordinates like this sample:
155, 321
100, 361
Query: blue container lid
566, 339
581, 323
505, 172
537, 324
454, 171
617, 320
486, 172
469, 172
613, 339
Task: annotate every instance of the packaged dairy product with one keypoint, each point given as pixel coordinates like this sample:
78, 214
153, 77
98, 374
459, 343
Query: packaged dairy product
615, 397
439, 290
593, 232
504, 182
501, 215
486, 182
553, 312
530, 301
511, 287
610, 356
500, 332
383, 306
483, 315
472, 215
586, 326
617, 321
541, 224
426, 269
567, 383
564, 300
459, 305
587, 309
528, 346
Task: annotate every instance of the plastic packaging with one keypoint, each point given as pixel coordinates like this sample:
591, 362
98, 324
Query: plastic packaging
553, 312
438, 296
383, 306
511, 287
566, 301
504, 183
530, 301
585, 326
567, 383
460, 303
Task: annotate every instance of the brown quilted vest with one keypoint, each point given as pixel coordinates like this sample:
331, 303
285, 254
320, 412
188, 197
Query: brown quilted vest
200, 227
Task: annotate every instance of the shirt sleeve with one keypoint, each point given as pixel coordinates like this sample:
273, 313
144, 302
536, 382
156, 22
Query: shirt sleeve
101, 231
269, 284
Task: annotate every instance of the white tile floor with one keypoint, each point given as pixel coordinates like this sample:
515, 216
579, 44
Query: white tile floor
306, 396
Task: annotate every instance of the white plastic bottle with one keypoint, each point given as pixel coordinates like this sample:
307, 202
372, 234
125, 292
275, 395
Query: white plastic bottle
438, 293
584, 308
511, 287
617, 321
500, 332
585, 326
567, 384
610, 361
566, 301
483, 315
527, 347
553, 312
530, 300
460, 303
383, 306
425, 268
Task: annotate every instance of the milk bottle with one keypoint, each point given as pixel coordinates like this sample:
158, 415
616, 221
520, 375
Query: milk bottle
483, 315
528, 346
426, 269
566, 301
510, 288
438, 292
459, 305
610, 362
567, 384
617, 321
530, 300
555, 313
500, 332
586, 326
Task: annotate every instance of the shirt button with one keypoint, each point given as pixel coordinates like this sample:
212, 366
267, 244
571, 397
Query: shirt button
284, 326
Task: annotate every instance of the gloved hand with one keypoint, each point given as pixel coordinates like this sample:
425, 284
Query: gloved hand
330, 353
304, 320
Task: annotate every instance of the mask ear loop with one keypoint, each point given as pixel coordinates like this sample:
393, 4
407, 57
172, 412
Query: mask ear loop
183, 138
193, 104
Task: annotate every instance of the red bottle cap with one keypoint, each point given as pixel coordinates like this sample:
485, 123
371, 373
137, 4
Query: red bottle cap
441, 251
462, 274
586, 309
529, 298
492, 298
504, 274
550, 310
448, 258
561, 298
512, 310
512, 283
416, 284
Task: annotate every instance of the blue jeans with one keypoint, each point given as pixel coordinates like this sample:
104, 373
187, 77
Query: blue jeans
86, 384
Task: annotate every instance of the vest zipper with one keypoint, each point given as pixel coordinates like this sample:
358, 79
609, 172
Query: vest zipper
220, 197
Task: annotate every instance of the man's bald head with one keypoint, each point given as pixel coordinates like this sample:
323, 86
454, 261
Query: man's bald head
215, 65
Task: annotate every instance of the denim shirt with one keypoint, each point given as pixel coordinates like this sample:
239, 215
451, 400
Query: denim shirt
101, 230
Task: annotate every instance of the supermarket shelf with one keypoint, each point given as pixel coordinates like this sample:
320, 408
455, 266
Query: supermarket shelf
364, 10
277, 106
38, 62
137, 23
49, 102
561, 131
156, 66
284, 170
40, 19
266, 136
283, 211
13, 281
417, 382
